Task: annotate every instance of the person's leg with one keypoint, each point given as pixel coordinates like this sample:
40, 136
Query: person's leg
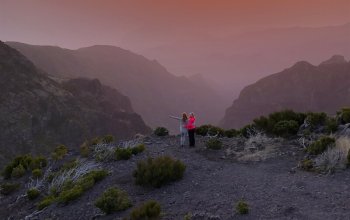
191, 137
183, 138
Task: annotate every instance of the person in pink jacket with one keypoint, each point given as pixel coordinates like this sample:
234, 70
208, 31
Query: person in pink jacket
191, 127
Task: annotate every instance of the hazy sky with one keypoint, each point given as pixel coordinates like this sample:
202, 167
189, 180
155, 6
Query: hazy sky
137, 24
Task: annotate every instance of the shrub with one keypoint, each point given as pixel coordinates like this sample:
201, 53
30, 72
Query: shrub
9, 188
113, 200
214, 144
307, 164
348, 159
96, 140
148, 210
123, 153
247, 131
315, 119
331, 125
108, 139
188, 216
70, 194
138, 149
320, 145
59, 152
33, 193
159, 171
45, 202
210, 130
18, 171
85, 150
231, 133
242, 208
344, 115
37, 173
161, 131
286, 128
38, 163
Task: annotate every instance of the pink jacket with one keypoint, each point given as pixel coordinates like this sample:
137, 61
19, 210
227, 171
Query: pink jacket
191, 123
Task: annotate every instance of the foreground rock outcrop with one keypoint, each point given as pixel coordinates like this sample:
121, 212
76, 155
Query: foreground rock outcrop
37, 113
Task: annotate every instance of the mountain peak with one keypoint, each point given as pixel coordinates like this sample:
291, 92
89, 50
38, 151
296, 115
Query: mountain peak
336, 59
302, 65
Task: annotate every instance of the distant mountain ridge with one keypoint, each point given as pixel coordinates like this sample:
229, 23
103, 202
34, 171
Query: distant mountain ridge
37, 113
154, 92
302, 87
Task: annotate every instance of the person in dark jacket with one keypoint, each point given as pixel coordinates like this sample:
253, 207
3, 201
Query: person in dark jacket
191, 127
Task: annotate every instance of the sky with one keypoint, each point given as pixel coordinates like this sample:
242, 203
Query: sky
137, 24
188, 36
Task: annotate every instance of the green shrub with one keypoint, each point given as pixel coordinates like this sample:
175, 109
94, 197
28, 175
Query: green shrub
348, 159
307, 164
149, 210
33, 193
108, 139
85, 150
98, 175
70, 194
96, 140
344, 115
320, 145
59, 152
37, 173
315, 119
159, 171
38, 163
268, 124
286, 128
231, 133
242, 208
45, 202
331, 125
188, 216
9, 188
113, 200
138, 149
247, 130
161, 131
123, 153
211, 130
18, 171
214, 144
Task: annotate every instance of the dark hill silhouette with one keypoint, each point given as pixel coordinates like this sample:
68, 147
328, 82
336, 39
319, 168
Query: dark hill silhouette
37, 113
153, 91
303, 87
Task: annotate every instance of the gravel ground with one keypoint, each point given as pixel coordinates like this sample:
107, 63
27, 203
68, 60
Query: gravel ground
213, 183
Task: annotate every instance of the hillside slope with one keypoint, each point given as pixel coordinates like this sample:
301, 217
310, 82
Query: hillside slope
153, 91
36, 113
303, 87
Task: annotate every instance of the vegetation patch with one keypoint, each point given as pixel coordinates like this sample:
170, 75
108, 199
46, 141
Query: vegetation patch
286, 128
108, 139
242, 208
9, 188
148, 210
18, 166
214, 144
316, 119
113, 200
320, 145
59, 152
85, 150
232, 133
37, 173
161, 131
138, 149
307, 164
123, 153
33, 193
344, 115
159, 171
45, 202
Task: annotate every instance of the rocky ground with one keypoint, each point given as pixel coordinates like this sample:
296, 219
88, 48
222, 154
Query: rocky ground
263, 175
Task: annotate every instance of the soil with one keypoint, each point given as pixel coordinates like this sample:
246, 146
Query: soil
213, 183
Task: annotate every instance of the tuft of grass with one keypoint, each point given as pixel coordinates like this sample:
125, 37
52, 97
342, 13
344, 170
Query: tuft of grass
123, 153
113, 200
138, 149
149, 210
18, 171
161, 131
33, 193
19, 165
159, 171
242, 207
59, 152
37, 173
307, 164
9, 188
320, 145
214, 144
107, 139
85, 150
45, 202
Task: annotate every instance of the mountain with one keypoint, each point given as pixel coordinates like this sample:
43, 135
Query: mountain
37, 113
154, 92
302, 87
235, 61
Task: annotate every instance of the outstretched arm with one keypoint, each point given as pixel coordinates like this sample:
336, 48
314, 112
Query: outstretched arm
173, 117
